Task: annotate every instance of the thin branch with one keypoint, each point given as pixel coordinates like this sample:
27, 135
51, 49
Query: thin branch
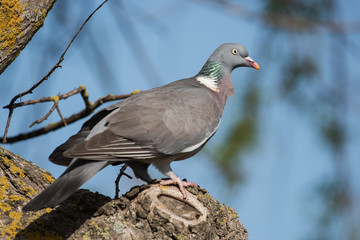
61, 116
90, 107
117, 181
85, 97
10, 106
48, 99
55, 99
45, 117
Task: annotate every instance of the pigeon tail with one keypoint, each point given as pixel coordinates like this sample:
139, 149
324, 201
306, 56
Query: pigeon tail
79, 172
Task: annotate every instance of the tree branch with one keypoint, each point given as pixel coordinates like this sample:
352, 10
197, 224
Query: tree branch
117, 180
10, 106
45, 117
89, 108
145, 212
19, 21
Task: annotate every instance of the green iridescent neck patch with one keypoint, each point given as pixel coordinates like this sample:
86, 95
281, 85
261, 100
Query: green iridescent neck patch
212, 69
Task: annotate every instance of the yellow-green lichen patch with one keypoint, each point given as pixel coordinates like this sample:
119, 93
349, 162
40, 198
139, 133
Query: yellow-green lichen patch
17, 221
47, 177
38, 234
13, 194
221, 220
16, 198
10, 20
35, 215
4, 188
40, 20
86, 94
95, 230
28, 190
14, 225
13, 168
54, 98
135, 91
181, 237
8, 230
232, 213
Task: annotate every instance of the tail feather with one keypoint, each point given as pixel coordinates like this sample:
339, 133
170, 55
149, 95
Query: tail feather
78, 172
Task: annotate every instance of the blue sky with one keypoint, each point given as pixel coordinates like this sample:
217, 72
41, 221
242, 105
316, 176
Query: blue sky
277, 200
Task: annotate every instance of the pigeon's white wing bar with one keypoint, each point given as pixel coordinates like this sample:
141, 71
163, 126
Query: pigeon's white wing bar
193, 147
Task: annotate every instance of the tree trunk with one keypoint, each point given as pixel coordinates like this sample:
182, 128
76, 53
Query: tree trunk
145, 212
19, 21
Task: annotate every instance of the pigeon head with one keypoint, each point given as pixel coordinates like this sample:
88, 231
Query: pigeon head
222, 62
231, 56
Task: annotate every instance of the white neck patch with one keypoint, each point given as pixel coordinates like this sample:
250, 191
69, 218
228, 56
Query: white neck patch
208, 82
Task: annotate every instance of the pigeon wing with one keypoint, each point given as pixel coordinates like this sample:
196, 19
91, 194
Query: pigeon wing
174, 119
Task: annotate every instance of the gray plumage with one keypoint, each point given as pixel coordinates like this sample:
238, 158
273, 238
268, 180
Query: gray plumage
157, 126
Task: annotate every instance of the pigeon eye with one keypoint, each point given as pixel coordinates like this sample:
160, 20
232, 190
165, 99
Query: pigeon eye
234, 51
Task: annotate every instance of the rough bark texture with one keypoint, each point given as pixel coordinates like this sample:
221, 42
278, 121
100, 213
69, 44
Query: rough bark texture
19, 21
145, 212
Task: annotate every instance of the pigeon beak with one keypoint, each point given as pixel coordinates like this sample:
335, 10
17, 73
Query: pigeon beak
252, 63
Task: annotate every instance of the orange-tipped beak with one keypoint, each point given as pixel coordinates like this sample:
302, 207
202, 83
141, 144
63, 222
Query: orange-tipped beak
252, 63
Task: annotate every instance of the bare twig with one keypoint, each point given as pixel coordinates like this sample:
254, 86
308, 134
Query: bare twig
49, 99
45, 117
117, 181
10, 106
89, 108
56, 99
61, 116
85, 97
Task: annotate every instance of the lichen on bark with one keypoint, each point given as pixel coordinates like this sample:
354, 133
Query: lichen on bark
10, 20
19, 21
19, 181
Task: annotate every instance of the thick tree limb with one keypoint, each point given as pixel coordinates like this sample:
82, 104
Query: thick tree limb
19, 21
145, 212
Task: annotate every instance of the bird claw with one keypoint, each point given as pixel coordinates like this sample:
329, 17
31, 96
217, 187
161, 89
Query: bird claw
180, 183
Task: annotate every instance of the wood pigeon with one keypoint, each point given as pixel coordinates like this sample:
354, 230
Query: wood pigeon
157, 126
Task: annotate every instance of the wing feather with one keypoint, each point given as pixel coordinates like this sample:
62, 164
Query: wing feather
108, 146
169, 120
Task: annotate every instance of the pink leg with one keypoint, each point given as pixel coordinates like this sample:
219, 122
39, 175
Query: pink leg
175, 180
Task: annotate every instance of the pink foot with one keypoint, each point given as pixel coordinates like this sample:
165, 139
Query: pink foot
175, 180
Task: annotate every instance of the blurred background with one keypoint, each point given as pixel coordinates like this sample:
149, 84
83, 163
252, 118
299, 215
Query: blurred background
286, 156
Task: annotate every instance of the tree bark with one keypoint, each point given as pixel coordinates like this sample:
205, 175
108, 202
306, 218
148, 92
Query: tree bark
145, 212
19, 21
